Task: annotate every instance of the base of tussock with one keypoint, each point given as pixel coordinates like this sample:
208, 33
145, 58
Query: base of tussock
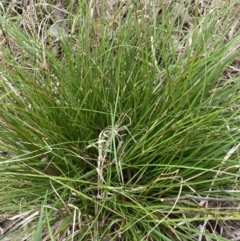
119, 121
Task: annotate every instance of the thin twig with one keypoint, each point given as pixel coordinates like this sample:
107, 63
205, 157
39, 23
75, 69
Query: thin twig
5, 37
197, 198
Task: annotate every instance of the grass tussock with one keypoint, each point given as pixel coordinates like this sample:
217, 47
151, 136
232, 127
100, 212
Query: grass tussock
119, 121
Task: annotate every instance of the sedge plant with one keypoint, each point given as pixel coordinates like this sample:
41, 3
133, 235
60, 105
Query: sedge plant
110, 130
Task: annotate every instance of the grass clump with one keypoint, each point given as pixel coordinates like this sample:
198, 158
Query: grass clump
107, 114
